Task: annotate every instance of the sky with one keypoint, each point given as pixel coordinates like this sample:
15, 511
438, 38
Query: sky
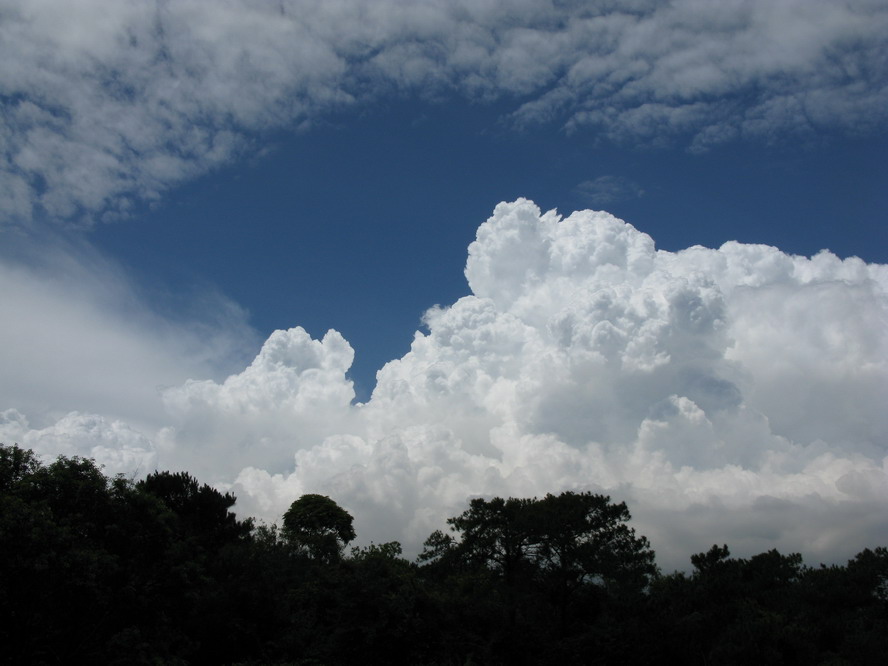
409, 253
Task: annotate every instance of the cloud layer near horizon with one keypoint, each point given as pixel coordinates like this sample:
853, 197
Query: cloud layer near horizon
107, 104
732, 395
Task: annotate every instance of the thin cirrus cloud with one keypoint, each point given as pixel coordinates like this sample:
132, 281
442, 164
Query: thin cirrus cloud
79, 335
108, 104
606, 190
731, 395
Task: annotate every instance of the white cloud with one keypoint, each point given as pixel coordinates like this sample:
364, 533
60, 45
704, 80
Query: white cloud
107, 103
287, 399
587, 359
728, 395
77, 335
116, 446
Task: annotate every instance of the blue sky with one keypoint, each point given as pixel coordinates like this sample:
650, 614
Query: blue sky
220, 221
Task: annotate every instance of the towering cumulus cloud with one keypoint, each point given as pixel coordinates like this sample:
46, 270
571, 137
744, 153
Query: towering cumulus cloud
729, 395
732, 395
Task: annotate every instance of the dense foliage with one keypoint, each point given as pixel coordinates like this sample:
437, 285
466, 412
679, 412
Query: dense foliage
104, 570
319, 527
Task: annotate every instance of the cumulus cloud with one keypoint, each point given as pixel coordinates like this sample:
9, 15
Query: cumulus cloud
728, 395
723, 393
116, 446
106, 104
287, 399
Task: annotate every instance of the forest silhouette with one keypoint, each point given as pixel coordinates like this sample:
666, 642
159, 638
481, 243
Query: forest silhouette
107, 570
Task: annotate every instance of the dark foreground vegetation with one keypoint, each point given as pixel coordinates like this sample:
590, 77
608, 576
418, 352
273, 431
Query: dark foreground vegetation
107, 571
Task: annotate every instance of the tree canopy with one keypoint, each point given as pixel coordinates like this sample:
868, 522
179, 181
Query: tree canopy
574, 537
318, 526
98, 569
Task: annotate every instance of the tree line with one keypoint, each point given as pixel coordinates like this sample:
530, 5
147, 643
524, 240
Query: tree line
107, 570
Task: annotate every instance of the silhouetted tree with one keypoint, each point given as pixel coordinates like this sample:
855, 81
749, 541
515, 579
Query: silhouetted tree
547, 556
203, 511
98, 569
16, 464
319, 527
576, 537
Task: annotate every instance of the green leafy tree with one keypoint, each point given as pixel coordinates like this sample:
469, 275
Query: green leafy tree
382, 610
585, 550
576, 537
584, 537
15, 464
71, 557
203, 512
547, 561
318, 527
